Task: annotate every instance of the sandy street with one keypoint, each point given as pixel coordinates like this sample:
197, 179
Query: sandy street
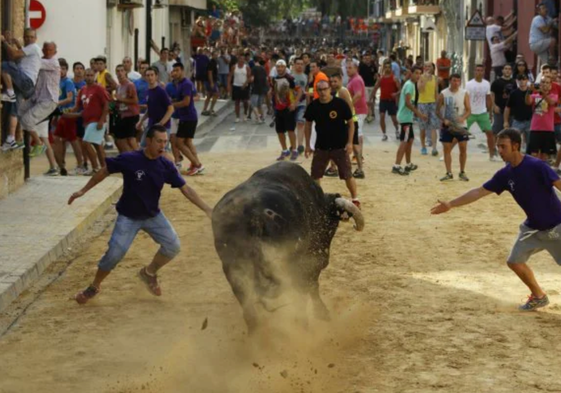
419, 304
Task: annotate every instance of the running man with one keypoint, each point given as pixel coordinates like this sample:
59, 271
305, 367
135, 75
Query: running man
407, 108
144, 174
455, 101
390, 88
530, 182
335, 130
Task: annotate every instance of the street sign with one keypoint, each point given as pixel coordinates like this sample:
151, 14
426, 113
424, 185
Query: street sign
37, 14
476, 30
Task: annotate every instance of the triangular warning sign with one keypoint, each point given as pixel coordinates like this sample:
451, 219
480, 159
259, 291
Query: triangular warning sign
476, 20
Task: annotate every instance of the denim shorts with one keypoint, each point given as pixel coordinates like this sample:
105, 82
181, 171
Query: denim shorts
299, 114
22, 83
126, 229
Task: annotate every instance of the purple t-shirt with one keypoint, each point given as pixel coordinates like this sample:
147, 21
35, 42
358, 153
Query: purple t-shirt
531, 185
185, 88
158, 103
143, 180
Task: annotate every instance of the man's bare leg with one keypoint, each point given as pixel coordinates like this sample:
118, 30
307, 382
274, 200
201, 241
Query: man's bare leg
526, 274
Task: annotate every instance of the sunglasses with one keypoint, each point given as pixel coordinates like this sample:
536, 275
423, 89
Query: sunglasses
322, 89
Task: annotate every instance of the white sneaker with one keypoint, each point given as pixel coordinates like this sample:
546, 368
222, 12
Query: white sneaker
441, 158
494, 159
78, 171
8, 98
237, 120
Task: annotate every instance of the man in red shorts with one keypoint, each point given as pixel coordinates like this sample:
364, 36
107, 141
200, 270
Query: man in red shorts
66, 126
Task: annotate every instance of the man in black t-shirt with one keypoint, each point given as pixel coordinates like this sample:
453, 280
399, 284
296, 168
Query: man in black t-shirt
500, 90
211, 85
516, 111
368, 70
335, 130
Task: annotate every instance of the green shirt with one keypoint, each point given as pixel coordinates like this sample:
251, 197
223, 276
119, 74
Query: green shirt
404, 114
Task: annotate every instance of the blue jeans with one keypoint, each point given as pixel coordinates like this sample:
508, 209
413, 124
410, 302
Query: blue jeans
126, 229
523, 127
22, 83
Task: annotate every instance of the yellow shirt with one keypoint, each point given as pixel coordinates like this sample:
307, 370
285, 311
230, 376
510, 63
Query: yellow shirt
101, 79
427, 96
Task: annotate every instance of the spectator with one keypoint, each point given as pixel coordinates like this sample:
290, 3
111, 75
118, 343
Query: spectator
521, 68
542, 136
126, 101
497, 27
23, 74
201, 64
131, 74
93, 100
158, 105
517, 113
104, 77
443, 65
541, 41
66, 126
498, 49
34, 111
368, 71
211, 85
396, 69
163, 66
259, 89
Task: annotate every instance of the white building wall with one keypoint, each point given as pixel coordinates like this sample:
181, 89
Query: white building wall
77, 26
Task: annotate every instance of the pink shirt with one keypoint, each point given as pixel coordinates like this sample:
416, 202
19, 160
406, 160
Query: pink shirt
356, 85
542, 119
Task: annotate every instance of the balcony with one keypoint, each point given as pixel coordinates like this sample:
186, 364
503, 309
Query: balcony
391, 6
424, 7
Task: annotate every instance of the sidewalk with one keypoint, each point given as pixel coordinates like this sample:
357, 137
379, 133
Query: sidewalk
37, 225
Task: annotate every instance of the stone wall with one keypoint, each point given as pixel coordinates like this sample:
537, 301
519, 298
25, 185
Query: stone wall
11, 163
11, 172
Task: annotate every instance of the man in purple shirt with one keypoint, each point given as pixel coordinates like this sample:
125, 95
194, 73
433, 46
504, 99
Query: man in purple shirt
530, 181
144, 174
158, 105
186, 114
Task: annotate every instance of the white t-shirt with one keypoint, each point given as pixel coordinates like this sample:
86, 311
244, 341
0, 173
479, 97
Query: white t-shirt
31, 62
478, 92
133, 75
492, 31
454, 105
498, 57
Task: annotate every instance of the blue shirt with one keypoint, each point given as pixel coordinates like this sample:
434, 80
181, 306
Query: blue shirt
143, 180
396, 70
536, 35
67, 86
531, 185
78, 85
185, 88
141, 90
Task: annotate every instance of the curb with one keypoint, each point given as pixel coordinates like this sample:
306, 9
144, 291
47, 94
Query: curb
213, 121
17, 282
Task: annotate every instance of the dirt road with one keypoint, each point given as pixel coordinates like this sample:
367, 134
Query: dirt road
419, 303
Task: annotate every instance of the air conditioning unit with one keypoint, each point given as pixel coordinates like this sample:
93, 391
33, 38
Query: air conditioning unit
112, 3
427, 24
126, 4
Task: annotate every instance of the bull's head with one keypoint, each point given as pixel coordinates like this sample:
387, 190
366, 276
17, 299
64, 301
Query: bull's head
345, 210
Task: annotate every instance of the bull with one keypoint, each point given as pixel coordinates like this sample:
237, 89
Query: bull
279, 208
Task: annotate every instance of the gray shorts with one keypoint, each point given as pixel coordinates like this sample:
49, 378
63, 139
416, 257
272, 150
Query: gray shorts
530, 242
33, 112
257, 100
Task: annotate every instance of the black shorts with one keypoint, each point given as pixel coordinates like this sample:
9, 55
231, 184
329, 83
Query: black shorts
406, 128
355, 136
240, 94
448, 137
186, 129
338, 156
80, 128
201, 78
388, 106
285, 120
125, 127
542, 142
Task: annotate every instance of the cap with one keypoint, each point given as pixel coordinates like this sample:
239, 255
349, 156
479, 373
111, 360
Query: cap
281, 63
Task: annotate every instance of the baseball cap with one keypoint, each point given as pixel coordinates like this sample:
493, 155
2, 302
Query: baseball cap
281, 63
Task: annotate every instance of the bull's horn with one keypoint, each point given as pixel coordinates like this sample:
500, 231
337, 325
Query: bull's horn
352, 209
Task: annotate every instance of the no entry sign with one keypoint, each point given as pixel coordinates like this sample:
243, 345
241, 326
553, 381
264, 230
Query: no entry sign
37, 14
